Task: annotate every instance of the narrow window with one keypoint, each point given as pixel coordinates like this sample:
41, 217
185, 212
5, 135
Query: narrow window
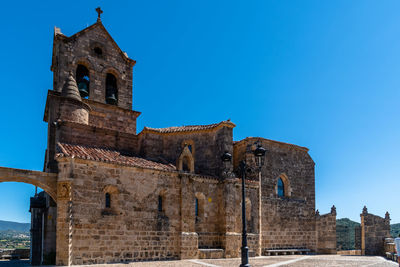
281, 188
190, 148
160, 204
111, 89
108, 200
197, 207
83, 80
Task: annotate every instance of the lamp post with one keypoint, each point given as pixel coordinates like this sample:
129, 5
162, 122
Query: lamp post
259, 156
259, 153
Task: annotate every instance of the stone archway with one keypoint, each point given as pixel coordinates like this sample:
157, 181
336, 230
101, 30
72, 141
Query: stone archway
43, 209
44, 180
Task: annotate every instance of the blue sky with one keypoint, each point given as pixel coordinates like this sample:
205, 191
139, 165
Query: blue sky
320, 74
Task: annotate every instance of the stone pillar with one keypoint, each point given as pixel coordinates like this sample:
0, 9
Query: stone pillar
37, 207
64, 223
232, 238
189, 244
362, 215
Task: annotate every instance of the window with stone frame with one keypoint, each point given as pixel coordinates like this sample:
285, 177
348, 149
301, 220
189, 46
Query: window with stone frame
281, 188
110, 200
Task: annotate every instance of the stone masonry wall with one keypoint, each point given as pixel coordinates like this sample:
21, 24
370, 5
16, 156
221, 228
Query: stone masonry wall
112, 117
374, 230
287, 222
74, 133
130, 229
357, 237
326, 232
208, 224
207, 148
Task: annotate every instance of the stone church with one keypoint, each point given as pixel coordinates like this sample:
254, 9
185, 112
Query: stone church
114, 195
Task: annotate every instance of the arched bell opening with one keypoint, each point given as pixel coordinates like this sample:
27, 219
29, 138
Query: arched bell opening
83, 81
36, 237
111, 89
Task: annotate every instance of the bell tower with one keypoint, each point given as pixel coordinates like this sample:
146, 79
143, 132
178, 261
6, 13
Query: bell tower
103, 72
91, 100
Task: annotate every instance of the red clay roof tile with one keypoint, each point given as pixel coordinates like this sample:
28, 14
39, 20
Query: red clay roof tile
188, 128
110, 156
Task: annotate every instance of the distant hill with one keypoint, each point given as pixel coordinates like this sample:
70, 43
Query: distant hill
345, 234
395, 229
14, 226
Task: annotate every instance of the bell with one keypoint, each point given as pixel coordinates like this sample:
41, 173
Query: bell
83, 88
111, 99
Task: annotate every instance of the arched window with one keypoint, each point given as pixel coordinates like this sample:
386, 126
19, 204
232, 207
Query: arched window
111, 89
108, 200
281, 188
83, 80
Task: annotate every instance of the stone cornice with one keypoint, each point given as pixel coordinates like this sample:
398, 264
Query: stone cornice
254, 139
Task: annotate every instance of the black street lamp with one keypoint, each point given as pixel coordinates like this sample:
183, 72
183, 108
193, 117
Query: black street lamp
259, 153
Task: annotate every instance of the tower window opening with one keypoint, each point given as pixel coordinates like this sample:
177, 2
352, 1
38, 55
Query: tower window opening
83, 80
108, 200
111, 89
281, 188
98, 51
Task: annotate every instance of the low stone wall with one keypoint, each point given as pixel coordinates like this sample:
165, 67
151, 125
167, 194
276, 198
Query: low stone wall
374, 230
326, 232
355, 252
127, 246
189, 246
210, 240
15, 254
233, 243
211, 253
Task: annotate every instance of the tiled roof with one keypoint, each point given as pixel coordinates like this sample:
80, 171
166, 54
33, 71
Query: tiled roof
189, 128
110, 156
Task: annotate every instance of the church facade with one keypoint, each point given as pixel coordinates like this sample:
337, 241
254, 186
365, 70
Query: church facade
115, 195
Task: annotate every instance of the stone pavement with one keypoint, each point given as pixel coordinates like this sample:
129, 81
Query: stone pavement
272, 261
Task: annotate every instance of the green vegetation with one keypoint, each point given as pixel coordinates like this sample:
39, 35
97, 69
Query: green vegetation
345, 234
14, 235
11, 239
395, 229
